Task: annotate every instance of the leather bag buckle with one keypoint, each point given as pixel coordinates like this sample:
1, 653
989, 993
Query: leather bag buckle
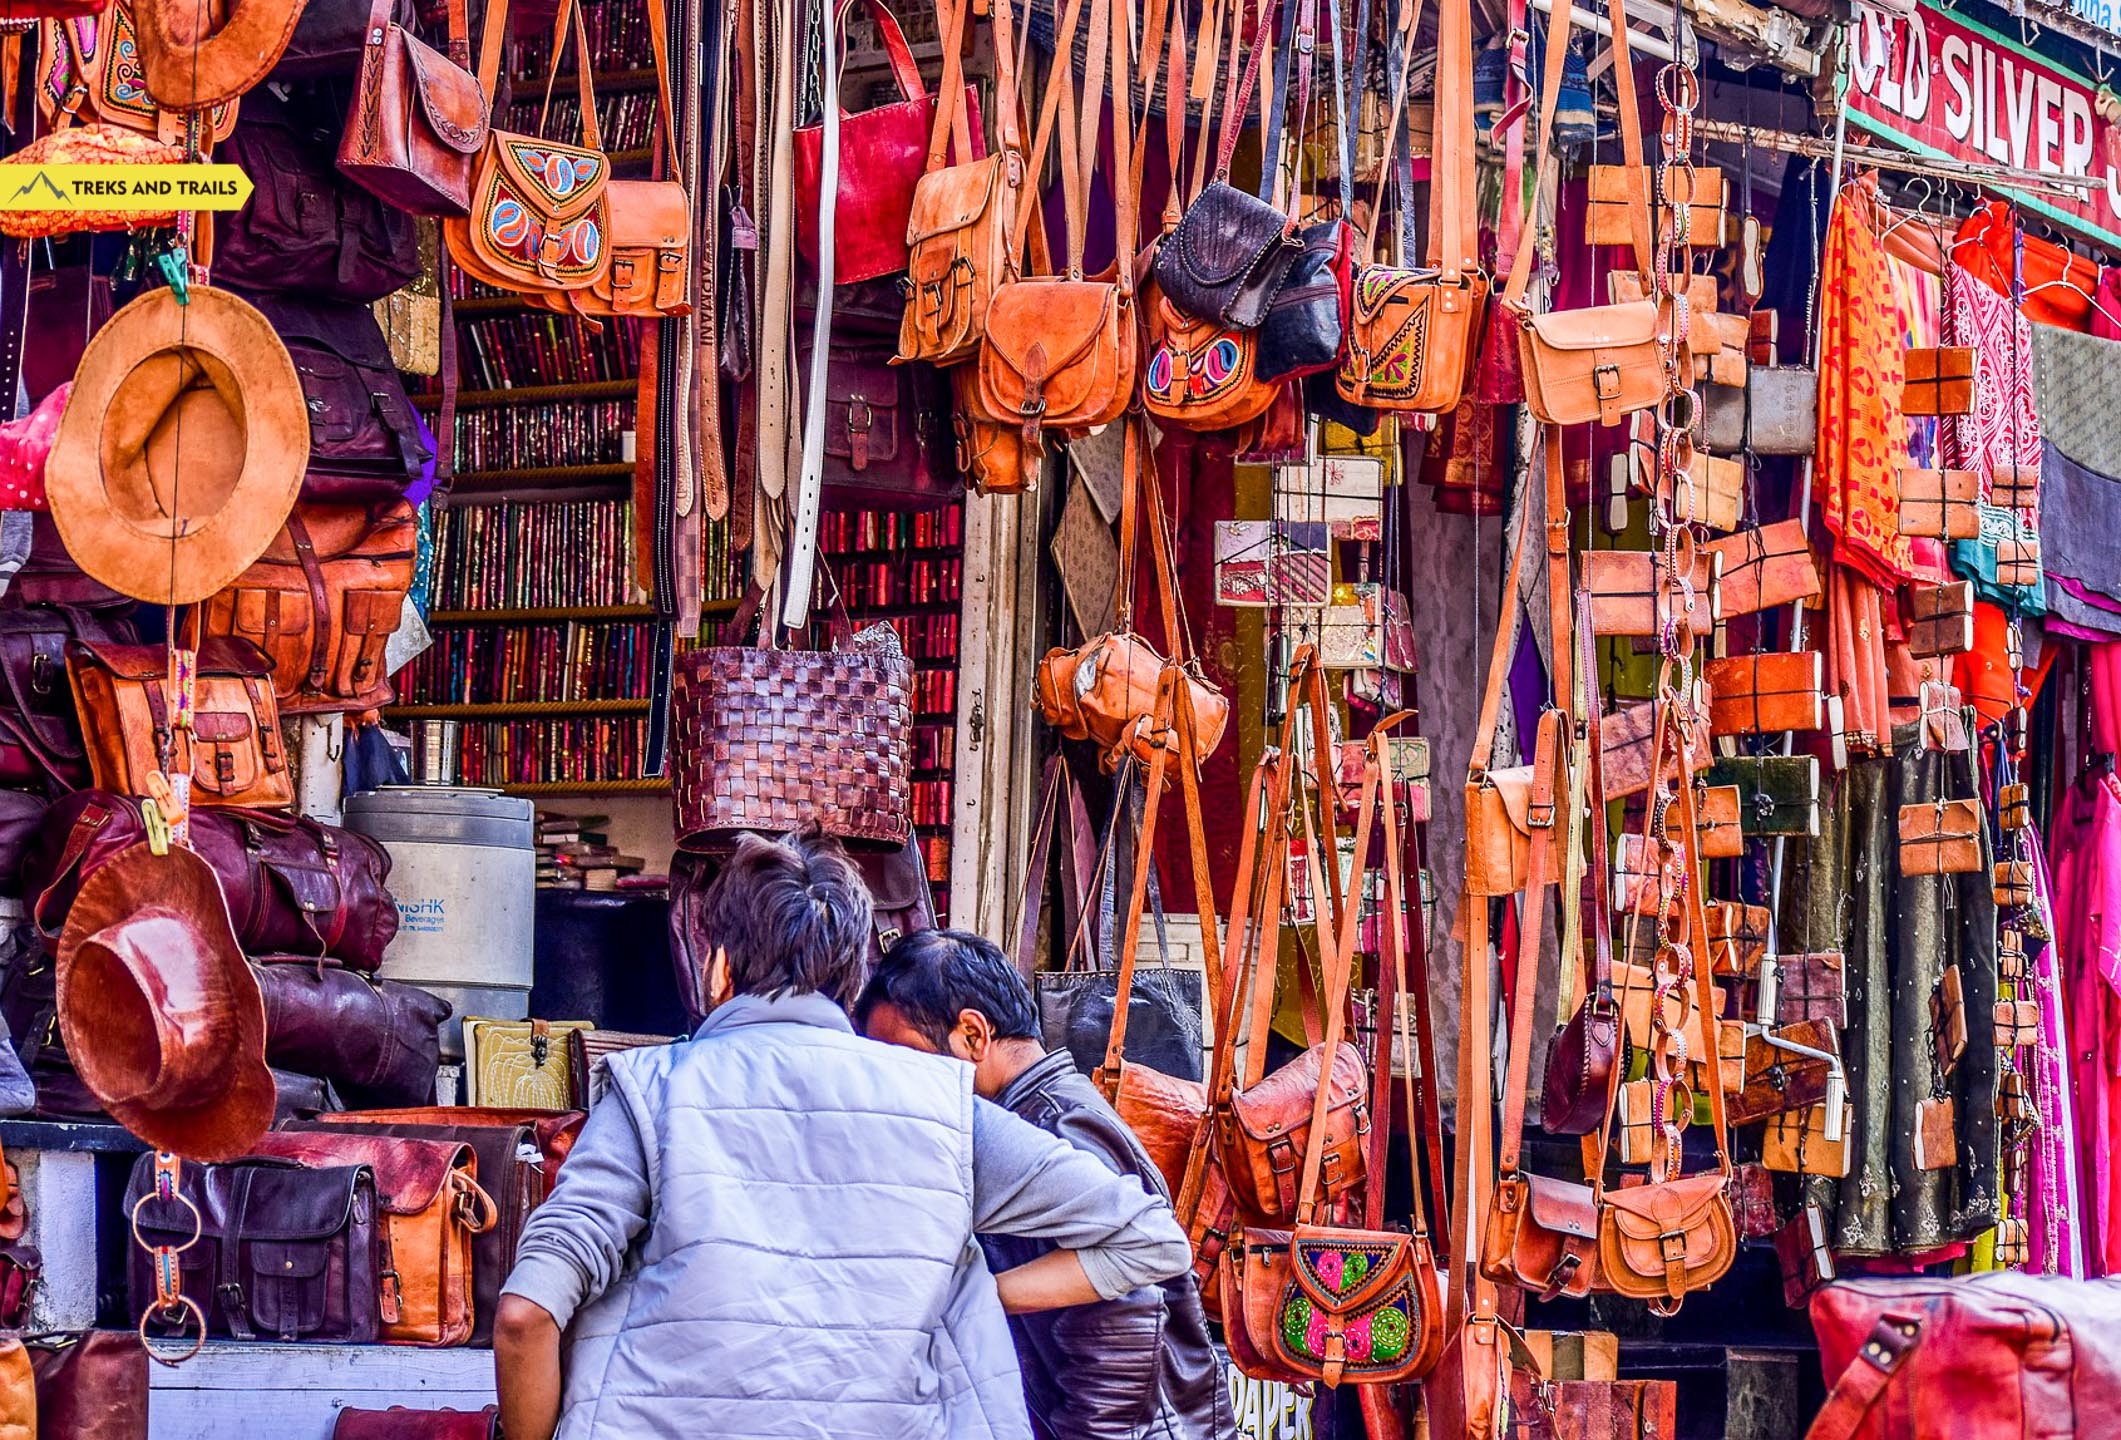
1605, 381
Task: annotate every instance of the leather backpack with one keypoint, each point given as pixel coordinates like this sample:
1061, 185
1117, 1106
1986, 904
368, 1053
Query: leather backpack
365, 445
959, 231
232, 748
322, 603
1413, 334
1060, 352
306, 231
417, 119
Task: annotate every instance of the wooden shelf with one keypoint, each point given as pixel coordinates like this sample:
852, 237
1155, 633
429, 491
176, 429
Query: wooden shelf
465, 305
477, 482
590, 787
924, 607
516, 710
554, 612
530, 394
638, 79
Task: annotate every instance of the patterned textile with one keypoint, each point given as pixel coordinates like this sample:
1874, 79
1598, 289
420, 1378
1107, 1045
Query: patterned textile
2080, 537
2076, 417
1862, 372
2004, 428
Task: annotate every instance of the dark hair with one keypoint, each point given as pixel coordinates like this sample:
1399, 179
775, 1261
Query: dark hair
931, 975
792, 915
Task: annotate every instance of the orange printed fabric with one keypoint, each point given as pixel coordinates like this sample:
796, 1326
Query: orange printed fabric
1862, 373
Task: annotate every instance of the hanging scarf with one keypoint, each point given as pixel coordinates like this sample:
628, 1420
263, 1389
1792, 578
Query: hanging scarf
1862, 373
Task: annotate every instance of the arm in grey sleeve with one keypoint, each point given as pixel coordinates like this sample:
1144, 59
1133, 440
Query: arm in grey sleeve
575, 1243
1026, 1182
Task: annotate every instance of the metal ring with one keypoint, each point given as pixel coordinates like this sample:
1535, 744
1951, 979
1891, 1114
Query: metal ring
198, 1224
182, 1305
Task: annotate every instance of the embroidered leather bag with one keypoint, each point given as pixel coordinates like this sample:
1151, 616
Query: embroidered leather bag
1413, 333
418, 118
540, 213
88, 68
322, 603
233, 748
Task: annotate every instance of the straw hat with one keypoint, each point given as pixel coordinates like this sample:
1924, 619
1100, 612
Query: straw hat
182, 448
162, 1017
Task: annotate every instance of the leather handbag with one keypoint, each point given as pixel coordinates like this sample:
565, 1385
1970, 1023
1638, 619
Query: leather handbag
1608, 361
1940, 380
377, 1041
1199, 374
1942, 837
520, 1064
884, 154
519, 1158
1413, 333
365, 445
839, 751
418, 117
233, 747
401, 1423
1766, 694
540, 216
322, 602
307, 231
1104, 690
432, 1207
1765, 568
283, 1252
91, 1385
40, 734
1061, 352
294, 886
88, 70
962, 217
885, 442
2002, 1354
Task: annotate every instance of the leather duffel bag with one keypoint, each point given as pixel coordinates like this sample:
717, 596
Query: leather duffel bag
378, 1042
433, 1209
2003, 1355
282, 1252
294, 886
322, 603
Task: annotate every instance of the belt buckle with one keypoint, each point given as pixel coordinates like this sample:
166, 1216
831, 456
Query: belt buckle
1604, 374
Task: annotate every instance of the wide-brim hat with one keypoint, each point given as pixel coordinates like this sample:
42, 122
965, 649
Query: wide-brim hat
162, 1017
182, 448
195, 54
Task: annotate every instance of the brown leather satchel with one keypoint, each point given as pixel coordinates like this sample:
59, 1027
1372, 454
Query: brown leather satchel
1060, 352
1657, 1242
232, 748
1941, 837
418, 118
1766, 694
1940, 504
963, 218
322, 603
1940, 380
428, 1191
1605, 362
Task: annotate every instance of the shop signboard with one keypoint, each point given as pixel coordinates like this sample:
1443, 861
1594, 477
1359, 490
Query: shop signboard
1941, 83
1267, 1409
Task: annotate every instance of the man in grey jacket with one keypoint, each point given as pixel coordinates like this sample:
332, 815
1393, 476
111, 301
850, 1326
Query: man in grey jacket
1130, 1367
767, 1230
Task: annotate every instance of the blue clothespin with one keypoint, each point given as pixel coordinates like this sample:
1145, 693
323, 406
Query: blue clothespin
176, 269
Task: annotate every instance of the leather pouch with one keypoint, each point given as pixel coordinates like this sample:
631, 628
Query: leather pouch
2013, 881
1228, 257
2014, 806
1660, 1241
1948, 1030
1542, 1234
432, 1208
1765, 569
233, 748
1630, 596
1940, 504
1260, 1135
1942, 837
1795, 1142
2017, 1024
1940, 619
2017, 563
1777, 794
1940, 381
1779, 1080
1766, 694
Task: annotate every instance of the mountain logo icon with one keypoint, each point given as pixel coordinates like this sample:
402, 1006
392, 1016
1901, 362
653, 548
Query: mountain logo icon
41, 181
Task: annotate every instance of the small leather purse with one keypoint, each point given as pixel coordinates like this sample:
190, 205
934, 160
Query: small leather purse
417, 119
1940, 504
1940, 619
1941, 837
1766, 694
1940, 381
232, 748
1765, 568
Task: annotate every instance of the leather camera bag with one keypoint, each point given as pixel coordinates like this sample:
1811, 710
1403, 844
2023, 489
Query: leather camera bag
962, 216
233, 747
1060, 352
1605, 362
540, 210
433, 1209
1413, 334
377, 1041
307, 231
884, 154
284, 1252
2027, 1357
322, 603
519, 1157
886, 446
418, 117
365, 446
294, 886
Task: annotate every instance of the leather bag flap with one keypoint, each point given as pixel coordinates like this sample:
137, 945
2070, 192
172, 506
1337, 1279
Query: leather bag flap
313, 891
952, 199
648, 214
1600, 327
1514, 785
1344, 1270
557, 184
1039, 327
1223, 236
222, 726
1643, 1215
450, 98
1561, 1206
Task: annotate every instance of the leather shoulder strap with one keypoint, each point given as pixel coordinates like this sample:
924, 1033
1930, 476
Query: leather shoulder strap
1849, 1403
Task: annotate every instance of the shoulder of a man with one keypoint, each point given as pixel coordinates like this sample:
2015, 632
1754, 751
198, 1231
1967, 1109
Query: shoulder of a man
1066, 1104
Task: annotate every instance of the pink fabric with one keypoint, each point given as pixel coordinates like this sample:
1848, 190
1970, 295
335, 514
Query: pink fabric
2003, 428
2105, 665
25, 445
2088, 931
2054, 1247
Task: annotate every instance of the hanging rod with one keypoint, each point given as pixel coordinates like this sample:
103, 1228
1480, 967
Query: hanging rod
1880, 158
